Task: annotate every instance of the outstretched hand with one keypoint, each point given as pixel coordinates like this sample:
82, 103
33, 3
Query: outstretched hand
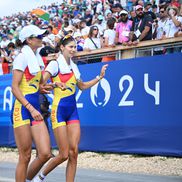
103, 70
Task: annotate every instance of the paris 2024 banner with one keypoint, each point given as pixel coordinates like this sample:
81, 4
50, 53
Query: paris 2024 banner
135, 109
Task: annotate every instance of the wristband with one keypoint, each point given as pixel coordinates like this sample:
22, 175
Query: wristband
26, 104
98, 77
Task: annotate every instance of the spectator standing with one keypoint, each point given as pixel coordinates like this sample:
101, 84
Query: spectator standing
11, 37
142, 26
141, 29
160, 26
155, 10
173, 23
147, 10
109, 38
159, 29
4, 42
110, 33
123, 28
88, 17
116, 9
101, 24
50, 38
93, 41
84, 29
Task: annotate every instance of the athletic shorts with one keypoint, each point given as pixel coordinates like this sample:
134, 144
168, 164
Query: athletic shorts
20, 115
64, 115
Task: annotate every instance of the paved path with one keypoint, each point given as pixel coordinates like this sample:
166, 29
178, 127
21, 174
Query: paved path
87, 175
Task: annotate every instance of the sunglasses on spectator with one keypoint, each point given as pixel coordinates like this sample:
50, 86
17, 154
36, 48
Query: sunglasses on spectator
123, 14
37, 36
140, 9
95, 29
161, 12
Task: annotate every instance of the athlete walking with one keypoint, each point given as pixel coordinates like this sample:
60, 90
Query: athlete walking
65, 121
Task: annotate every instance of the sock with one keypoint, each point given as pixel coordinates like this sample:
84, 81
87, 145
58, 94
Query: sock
39, 178
41, 175
27, 180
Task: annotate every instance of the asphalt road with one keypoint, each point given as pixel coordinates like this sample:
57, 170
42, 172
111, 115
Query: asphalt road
88, 175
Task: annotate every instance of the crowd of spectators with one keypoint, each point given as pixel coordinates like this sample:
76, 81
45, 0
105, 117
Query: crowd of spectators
95, 24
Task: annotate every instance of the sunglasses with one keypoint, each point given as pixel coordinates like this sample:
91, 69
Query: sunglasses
161, 12
140, 9
37, 36
123, 15
95, 29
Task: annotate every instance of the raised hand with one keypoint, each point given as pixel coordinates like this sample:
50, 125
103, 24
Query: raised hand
103, 70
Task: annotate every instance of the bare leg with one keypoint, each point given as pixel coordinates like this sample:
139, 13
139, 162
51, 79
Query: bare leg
62, 143
42, 143
74, 138
23, 139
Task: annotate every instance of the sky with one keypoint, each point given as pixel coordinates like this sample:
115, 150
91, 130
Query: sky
8, 7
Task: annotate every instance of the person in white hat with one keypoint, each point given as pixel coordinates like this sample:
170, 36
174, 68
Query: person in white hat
123, 28
27, 120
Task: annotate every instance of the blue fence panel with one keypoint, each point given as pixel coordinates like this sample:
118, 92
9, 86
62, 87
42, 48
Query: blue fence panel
136, 108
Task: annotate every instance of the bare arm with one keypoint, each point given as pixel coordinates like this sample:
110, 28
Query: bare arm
85, 85
106, 42
51, 86
144, 33
116, 38
17, 77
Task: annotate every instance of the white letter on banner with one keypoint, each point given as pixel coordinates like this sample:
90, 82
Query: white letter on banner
123, 101
8, 100
79, 105
155, 93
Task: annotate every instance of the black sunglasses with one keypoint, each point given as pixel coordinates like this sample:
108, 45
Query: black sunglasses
37, 36
161, 12
95, 28
123, 14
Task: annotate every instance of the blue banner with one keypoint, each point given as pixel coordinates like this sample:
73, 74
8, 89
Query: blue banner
136, 108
